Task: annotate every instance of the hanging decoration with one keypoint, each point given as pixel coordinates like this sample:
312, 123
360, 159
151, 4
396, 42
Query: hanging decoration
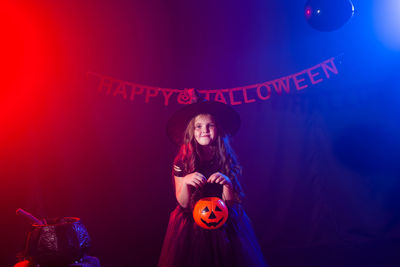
328, 15
233, 96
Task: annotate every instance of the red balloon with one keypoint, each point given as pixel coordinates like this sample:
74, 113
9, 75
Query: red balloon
328, 15
210, 212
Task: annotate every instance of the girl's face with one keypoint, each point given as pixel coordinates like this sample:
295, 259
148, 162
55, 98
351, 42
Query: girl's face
205, 130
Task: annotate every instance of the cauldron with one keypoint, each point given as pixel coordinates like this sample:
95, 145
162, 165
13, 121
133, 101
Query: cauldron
58, 242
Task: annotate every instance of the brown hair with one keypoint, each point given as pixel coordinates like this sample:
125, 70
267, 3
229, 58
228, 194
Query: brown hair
189, 154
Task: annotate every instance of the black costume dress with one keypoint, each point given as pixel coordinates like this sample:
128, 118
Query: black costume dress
188, 245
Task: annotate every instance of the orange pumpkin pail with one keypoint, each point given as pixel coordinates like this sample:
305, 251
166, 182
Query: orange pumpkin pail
210, 213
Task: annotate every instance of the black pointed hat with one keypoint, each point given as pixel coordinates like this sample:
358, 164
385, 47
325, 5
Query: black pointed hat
224, 114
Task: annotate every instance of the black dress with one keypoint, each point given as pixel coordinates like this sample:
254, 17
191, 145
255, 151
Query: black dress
188, 245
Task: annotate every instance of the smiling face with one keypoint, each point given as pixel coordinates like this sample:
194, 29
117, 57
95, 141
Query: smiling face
205, 130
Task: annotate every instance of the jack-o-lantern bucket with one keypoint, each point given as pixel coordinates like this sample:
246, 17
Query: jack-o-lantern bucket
210, 212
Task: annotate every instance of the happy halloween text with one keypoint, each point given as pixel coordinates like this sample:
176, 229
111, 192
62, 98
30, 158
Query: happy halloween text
233, 96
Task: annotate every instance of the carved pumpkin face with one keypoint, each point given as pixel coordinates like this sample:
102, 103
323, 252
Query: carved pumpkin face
210, 212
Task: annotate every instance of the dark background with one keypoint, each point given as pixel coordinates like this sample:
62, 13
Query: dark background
321, 170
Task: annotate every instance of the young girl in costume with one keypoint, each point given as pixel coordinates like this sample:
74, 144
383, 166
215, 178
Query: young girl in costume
206, 166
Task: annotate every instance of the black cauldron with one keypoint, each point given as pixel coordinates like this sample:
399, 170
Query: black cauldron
58, 242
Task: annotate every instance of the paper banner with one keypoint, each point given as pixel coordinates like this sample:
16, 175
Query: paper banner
231, 96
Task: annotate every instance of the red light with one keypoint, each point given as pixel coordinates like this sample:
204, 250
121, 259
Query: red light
26, 55
308, 12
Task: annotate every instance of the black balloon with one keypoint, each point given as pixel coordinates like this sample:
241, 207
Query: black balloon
328, 15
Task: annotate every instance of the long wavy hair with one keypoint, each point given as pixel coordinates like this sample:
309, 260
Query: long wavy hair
189, 154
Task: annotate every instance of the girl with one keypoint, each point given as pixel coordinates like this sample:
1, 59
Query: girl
206, 166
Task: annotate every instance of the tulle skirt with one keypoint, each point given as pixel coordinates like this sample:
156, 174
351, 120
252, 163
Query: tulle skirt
188, 245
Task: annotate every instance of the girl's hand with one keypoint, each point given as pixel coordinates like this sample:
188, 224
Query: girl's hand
195, 179
219, 178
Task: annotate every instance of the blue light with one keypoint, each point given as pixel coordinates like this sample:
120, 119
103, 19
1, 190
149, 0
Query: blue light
387, 22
